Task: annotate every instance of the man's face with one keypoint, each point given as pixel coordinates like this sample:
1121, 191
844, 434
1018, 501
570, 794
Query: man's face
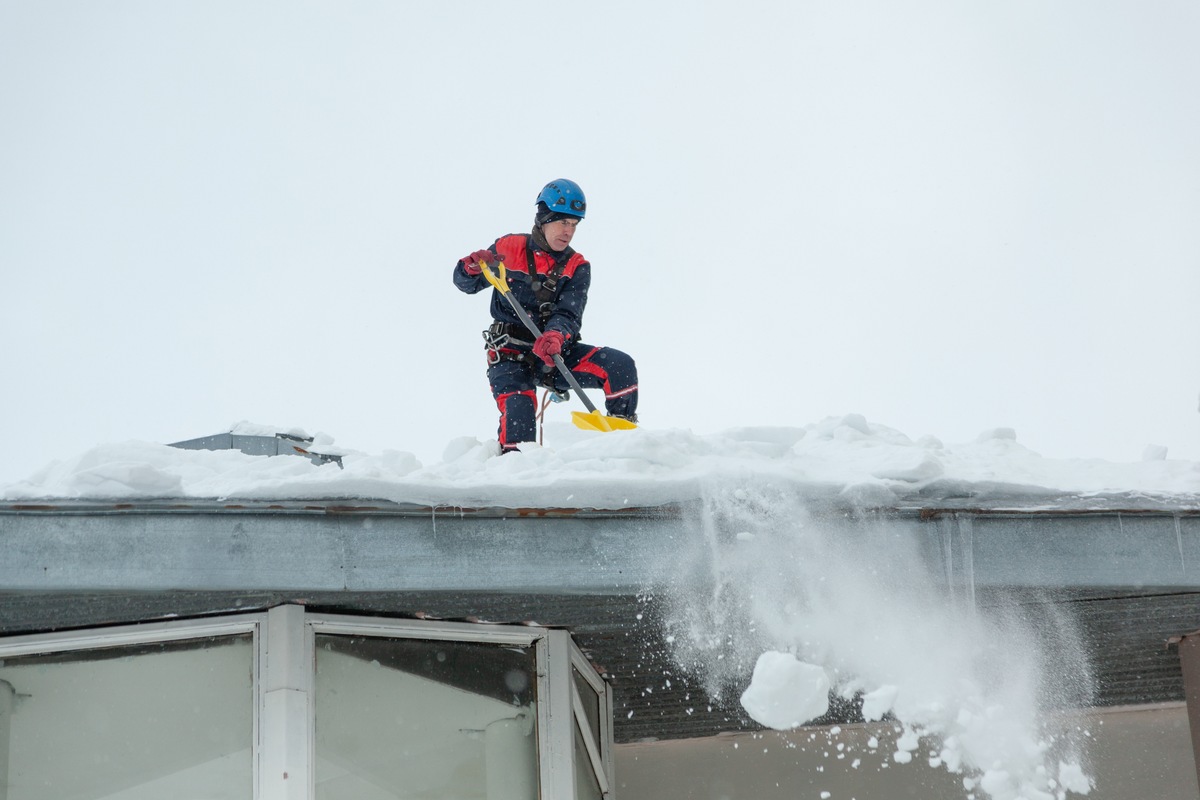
559, 234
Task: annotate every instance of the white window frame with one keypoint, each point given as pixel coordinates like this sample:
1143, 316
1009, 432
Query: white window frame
283, 674
599, 752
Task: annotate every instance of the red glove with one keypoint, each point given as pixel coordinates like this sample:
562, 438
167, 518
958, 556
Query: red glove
471, 262
548, 345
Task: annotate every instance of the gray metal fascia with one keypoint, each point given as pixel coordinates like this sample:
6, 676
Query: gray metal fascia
262, 549
379, 546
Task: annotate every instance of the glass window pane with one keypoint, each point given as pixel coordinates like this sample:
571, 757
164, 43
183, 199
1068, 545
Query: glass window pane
407, 718
591, 705
586, 785
130, 723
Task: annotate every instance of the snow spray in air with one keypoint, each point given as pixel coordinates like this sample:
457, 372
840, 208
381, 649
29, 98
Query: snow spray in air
783, 606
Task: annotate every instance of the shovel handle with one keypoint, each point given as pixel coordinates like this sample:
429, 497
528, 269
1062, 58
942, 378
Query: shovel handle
501, 285
566, 373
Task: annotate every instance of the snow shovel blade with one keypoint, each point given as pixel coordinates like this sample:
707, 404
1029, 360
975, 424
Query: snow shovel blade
595, 421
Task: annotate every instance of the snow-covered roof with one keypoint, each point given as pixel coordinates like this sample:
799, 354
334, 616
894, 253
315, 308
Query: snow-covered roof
846, 456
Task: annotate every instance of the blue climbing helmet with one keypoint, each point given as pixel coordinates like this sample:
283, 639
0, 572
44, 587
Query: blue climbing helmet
564, 197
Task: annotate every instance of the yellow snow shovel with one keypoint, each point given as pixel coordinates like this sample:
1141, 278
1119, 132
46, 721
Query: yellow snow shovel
593, 420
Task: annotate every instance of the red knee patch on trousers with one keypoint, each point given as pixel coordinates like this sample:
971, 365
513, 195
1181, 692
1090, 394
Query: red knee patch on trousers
587, 367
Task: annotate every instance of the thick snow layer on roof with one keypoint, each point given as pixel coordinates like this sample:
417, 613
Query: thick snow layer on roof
643, 467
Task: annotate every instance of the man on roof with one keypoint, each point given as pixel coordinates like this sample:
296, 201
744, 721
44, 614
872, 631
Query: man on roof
550, 280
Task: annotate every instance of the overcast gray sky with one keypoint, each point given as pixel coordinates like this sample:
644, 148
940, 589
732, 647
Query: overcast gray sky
945, 216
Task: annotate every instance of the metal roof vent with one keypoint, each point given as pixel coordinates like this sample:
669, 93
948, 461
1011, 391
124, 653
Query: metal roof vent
261, 443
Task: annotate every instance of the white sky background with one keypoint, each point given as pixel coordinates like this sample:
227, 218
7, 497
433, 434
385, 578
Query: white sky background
945, 216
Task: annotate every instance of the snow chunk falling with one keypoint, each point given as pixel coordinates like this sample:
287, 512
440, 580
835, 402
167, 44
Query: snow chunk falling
785, 692
879, 702
1073, 779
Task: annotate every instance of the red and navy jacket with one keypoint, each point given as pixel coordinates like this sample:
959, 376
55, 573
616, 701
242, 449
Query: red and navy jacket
565, 312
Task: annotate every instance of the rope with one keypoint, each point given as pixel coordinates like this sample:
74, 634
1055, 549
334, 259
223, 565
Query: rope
542, 413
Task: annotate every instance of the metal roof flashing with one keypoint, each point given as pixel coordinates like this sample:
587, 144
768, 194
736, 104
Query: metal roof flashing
260, 445
378, 545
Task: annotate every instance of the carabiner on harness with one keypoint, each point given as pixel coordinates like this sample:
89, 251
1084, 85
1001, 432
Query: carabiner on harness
494, 340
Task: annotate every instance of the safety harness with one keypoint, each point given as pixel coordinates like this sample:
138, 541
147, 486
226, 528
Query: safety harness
507, 341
